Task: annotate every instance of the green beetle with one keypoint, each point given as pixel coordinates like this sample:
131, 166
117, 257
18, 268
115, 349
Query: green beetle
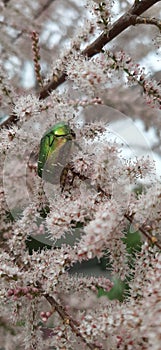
55, 149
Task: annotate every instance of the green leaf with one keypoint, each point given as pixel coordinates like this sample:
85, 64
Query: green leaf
116, 292
132, 240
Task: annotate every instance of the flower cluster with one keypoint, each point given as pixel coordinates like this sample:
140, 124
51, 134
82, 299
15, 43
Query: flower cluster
101, 208
135, 75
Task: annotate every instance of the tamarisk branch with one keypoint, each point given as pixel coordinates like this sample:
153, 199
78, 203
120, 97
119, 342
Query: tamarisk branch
125, 21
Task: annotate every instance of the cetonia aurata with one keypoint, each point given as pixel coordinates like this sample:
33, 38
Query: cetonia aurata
55, 149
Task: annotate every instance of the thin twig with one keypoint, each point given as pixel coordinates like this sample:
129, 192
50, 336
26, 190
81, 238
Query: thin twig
148, 20
43, 8
150, 238
67, 319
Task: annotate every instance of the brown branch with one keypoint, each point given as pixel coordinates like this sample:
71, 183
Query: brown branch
125, 21
43, 8
150, 238
67, 319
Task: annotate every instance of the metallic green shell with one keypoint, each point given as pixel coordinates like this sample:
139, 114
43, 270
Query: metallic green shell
55, 147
